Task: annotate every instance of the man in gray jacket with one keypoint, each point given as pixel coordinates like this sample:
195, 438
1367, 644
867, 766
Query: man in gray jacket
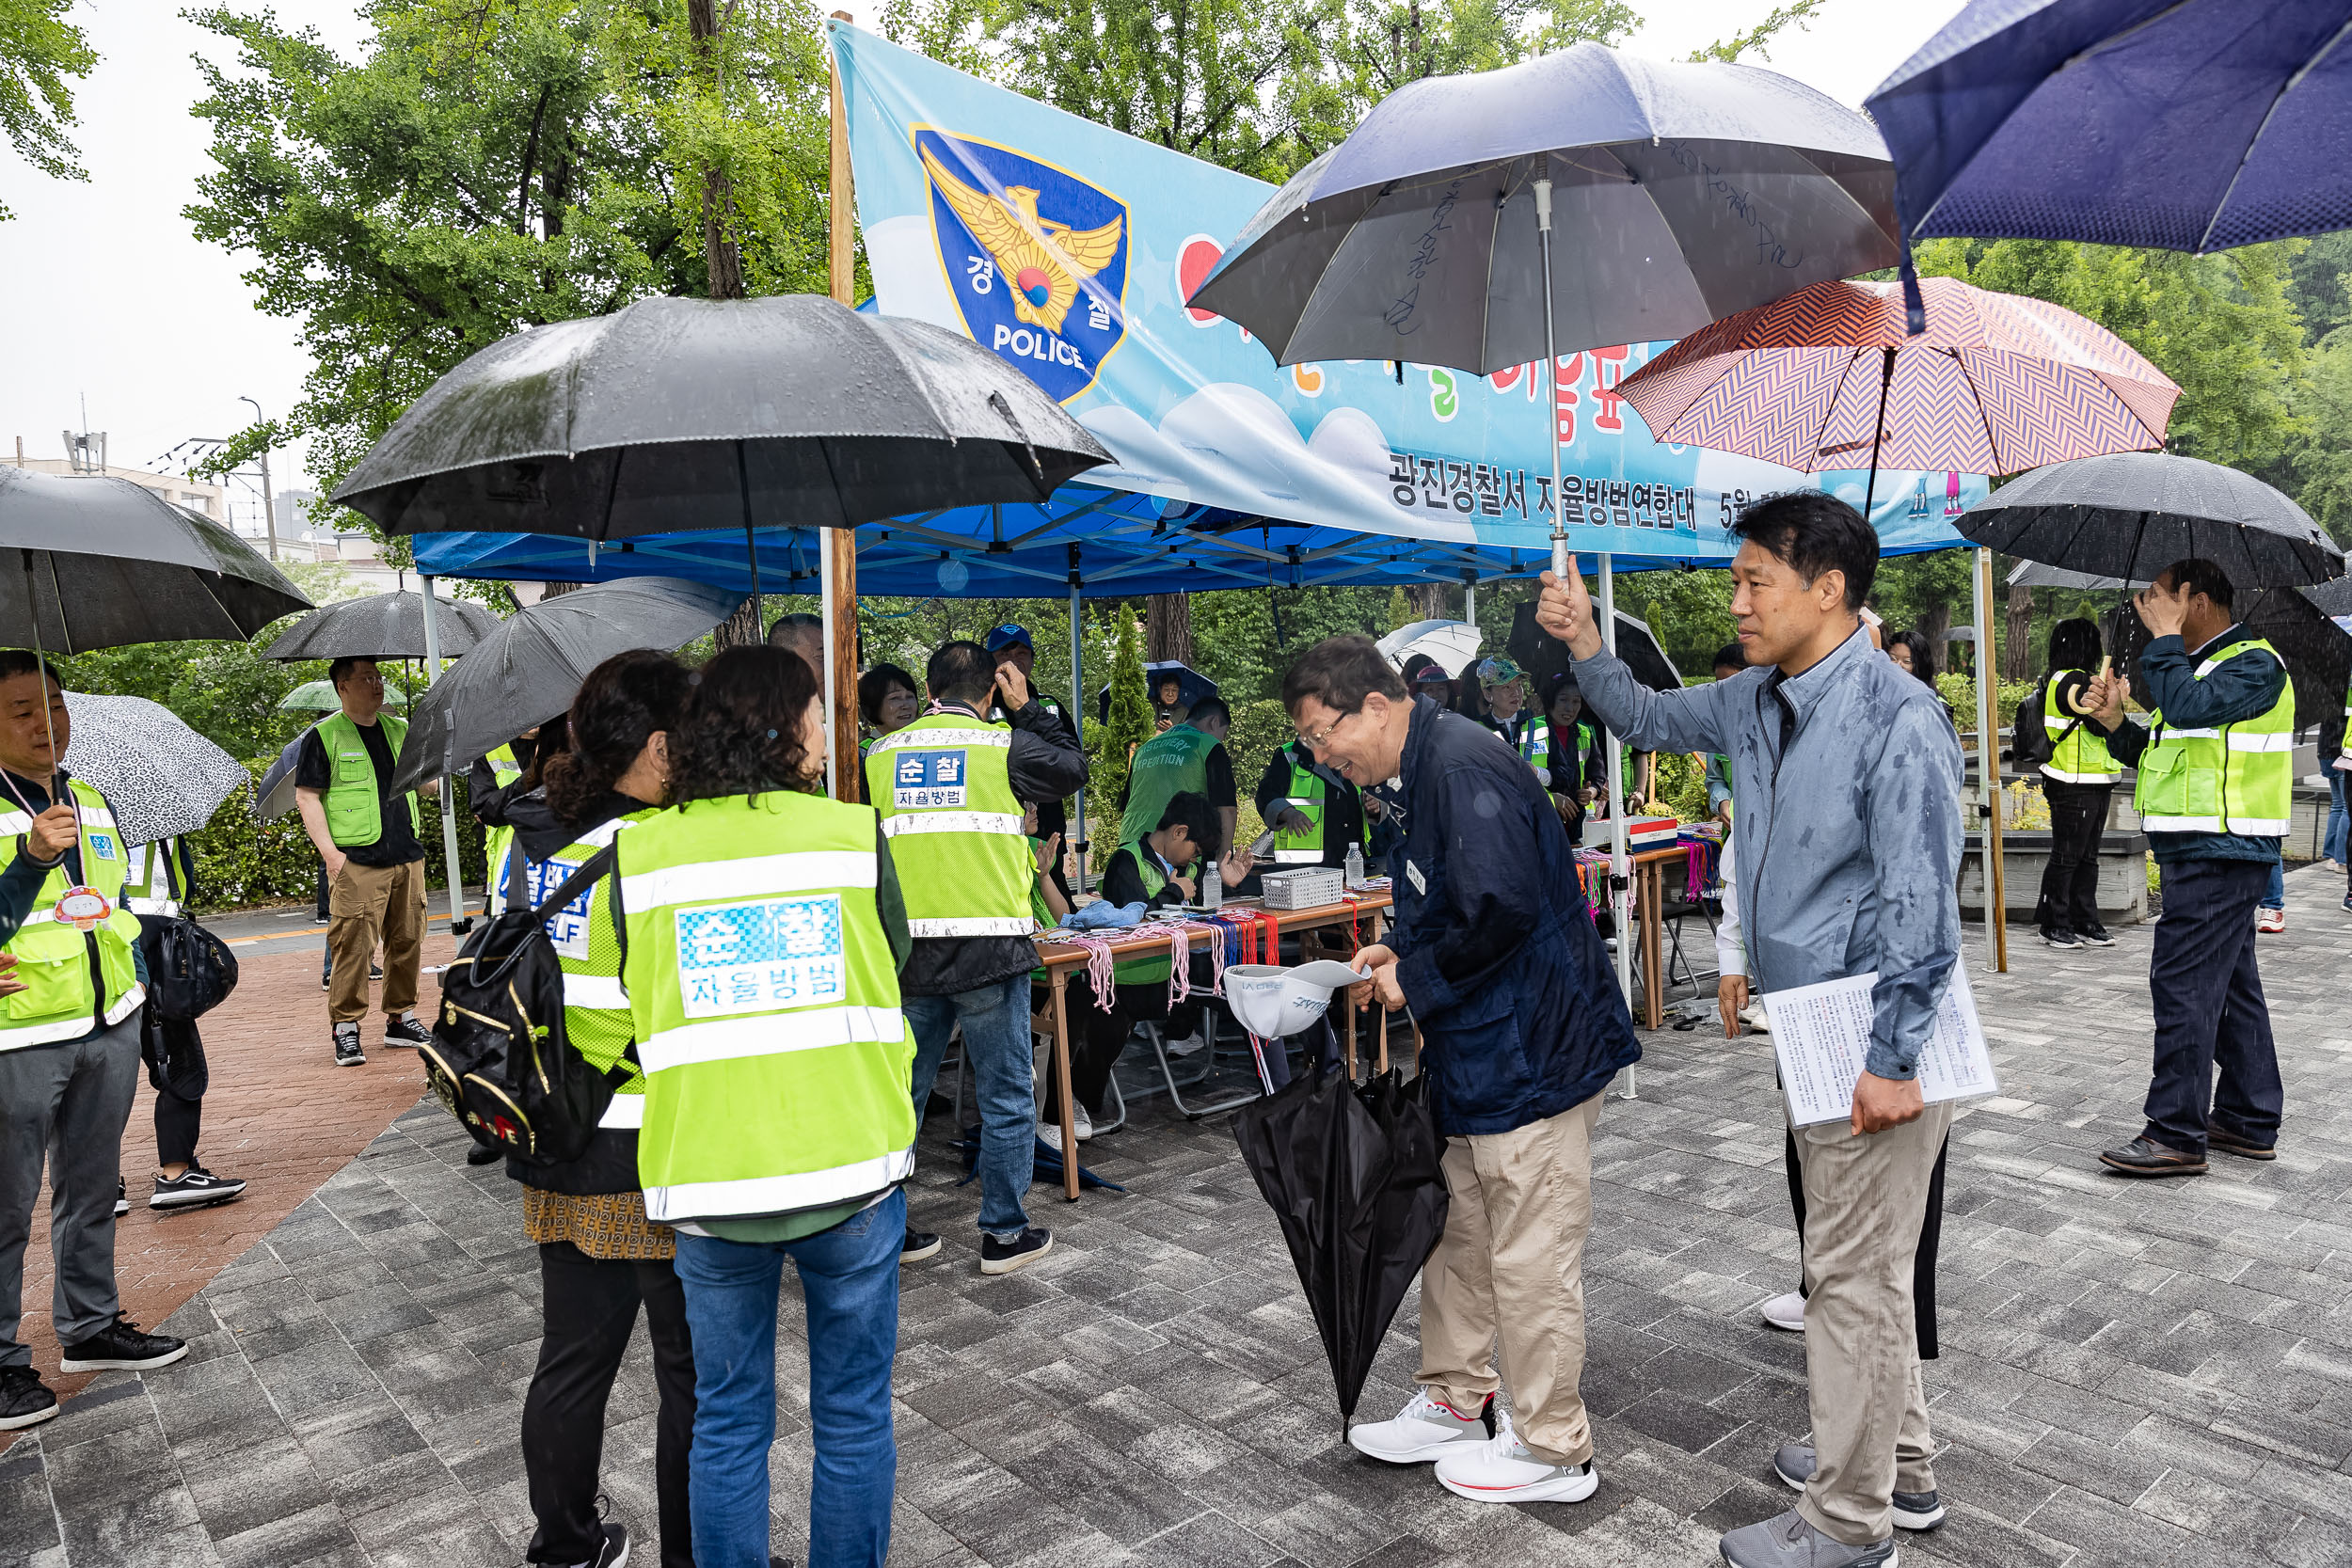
1847, 846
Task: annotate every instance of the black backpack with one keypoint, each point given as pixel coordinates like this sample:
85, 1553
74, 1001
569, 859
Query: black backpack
500, 1061
189, 971
2031, 744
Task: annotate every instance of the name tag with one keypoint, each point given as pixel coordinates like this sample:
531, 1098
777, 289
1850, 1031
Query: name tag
761, 956
1412, 874
926, 780
568, 927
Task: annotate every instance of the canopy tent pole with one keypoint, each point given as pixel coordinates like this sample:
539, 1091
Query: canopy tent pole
1470, 590
1989, 777
839, 573
457, 920
1078, 718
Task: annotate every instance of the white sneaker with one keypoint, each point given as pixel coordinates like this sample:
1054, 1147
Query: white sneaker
1500, 1470
1081, 1123
1186, 1046
1424, 1429
1786, 1311
1049, 1134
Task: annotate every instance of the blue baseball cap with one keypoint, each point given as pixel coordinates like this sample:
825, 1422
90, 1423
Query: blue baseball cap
1006, 636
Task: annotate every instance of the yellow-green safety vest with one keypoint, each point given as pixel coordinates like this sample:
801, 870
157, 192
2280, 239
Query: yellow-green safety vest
504, 770
596, 1009
2082, 756
2236, 778
354, 810
943, 787
1167, 764
1310, 796
1154, 967
152, 883
765, 1003
54, 958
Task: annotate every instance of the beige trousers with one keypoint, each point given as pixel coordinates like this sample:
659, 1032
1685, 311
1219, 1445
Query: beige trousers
1512, 1263
1864, 1200
366, 904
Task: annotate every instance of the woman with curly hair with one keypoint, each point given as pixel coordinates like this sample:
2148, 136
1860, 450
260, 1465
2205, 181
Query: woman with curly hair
765, 935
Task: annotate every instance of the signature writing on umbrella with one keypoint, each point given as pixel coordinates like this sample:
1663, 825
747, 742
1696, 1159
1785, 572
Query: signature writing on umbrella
1768, 246
1399, 315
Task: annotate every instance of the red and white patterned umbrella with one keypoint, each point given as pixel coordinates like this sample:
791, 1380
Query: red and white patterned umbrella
1826, 378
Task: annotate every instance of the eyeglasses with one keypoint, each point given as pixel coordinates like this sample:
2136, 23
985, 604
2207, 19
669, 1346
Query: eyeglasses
1314, 739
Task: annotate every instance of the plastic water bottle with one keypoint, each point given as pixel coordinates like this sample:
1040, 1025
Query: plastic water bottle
1212, 892
1355, 865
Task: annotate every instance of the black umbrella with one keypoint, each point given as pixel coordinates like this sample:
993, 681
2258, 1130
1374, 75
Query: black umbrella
89, 561
2132, 514
383, 625
2317, 650
1543, 655
1353, 1178
529, 669
1191, 686
674, 414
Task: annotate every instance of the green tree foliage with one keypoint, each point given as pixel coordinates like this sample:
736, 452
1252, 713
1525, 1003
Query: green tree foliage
2319, 471
1112, 743
40, 52
482, 168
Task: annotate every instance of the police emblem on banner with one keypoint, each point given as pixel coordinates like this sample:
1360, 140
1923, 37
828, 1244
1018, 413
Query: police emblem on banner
1035, 257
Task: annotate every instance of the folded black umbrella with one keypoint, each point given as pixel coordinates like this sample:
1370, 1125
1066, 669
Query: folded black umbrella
2317, 650
1351, 1173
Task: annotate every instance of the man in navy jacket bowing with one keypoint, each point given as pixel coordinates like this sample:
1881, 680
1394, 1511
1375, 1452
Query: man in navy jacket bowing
1522, 1028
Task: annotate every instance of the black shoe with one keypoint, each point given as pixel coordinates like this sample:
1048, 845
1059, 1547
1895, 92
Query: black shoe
24, 1399
615, 1550
347, 1052
1023, 1250
122, 1198
376, 972
121, 1347
2060, 939
193, 1188
919, 1246
483, 1155
2146, 1157
406, 1030
2094, 936
2223, 1141
327, 978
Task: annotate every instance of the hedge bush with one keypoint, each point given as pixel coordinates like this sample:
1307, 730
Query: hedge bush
241, 861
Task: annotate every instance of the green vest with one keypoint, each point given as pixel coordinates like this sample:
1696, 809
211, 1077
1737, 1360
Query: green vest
1165, 766
1152, 968
504, 770
355, 812
1310, 796
59, 1001
2082, 756
765, 1003
152, 883
943, 787
596, 1009
2236, 778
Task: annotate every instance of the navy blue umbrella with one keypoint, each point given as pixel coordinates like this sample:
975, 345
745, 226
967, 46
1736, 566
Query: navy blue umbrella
2188, 125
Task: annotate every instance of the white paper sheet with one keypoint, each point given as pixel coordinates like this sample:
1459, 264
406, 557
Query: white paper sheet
1821, 1037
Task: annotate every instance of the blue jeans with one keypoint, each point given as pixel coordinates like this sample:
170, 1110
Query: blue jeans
2275, 895
995, 1019
850, 1282
2339, 847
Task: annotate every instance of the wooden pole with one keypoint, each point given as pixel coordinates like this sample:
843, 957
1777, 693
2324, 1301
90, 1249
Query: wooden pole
841, 542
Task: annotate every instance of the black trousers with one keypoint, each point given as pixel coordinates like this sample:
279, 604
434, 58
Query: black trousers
174, 1053
2070, 883
2210, 1012
1098, 1035
1931, 1235
588, 1307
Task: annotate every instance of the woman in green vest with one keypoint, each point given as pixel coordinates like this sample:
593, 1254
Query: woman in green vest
599, 1257
2077, 781
765, 933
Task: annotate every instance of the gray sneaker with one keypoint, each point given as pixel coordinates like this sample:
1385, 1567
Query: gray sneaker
1794, 1464
1790, 1541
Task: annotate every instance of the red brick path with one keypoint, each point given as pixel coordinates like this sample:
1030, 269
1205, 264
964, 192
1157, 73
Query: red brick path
278, 1114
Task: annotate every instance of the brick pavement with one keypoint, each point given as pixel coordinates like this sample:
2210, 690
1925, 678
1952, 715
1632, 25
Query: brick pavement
2133, 1373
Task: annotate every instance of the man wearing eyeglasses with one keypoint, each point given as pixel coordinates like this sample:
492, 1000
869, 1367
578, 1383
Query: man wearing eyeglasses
1522, 1027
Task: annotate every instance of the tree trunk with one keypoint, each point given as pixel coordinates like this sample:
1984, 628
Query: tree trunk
1934, 621
721, 256
1168, 629
2017, 637
1428, 601
549, 589
740, 629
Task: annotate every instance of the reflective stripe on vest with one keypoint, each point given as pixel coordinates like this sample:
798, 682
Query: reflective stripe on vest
62, 999
944, 793
2236, 778
139, 885
596, 1009
766, 1011
2082, 756
625, 1112
1309, 796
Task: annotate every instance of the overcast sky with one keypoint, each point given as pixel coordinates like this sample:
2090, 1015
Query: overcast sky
110, 297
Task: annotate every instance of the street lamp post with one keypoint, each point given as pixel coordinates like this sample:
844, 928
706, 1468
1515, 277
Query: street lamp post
269, 500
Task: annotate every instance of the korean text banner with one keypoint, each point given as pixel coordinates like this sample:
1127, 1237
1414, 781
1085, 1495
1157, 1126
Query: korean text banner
959, 182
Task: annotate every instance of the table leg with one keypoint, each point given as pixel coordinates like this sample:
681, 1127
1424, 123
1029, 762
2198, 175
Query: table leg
1060, 982
1653, 932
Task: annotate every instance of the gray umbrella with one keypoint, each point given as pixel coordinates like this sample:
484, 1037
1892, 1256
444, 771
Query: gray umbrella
274, 793
676, 413
531, 668
383, 625
1679, 194
2132, 514
161, 776
90, 561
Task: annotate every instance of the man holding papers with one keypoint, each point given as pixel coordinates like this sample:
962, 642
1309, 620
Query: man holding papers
1847, 850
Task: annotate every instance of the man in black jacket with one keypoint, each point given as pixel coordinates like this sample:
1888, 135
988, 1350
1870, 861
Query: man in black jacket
1522, 1028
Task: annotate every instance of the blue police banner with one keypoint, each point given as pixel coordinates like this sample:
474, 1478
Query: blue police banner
1069, 249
